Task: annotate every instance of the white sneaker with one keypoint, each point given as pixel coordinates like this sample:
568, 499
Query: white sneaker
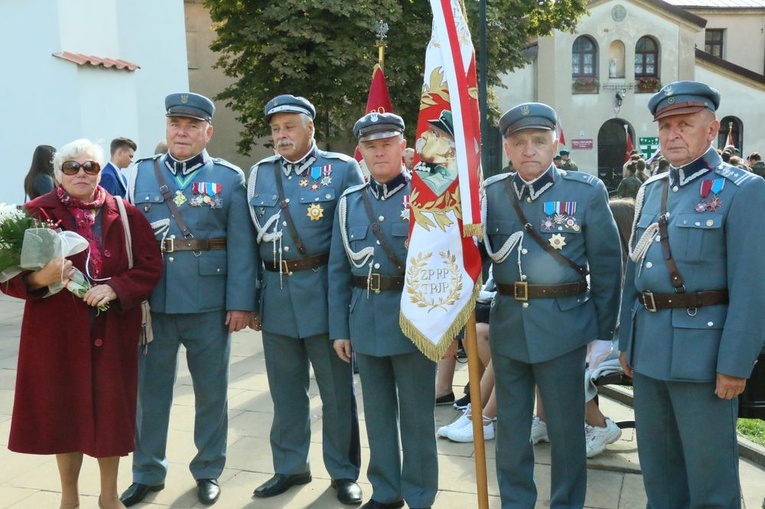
462, 420
465, 433
597, 438
538, 431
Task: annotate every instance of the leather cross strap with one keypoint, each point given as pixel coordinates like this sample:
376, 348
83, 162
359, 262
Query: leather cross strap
674, 274
655, 301
378, 283
170, 203
308, 262
523, 291
193, 244
284, 206
379, 233
582, 270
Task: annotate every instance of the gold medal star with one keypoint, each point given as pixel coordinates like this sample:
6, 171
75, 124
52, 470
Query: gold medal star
315, 212
557, 241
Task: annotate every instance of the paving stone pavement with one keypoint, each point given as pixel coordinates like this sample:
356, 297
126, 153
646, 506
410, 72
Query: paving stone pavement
31, 482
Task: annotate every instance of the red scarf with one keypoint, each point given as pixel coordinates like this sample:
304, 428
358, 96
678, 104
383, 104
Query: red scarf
84, 217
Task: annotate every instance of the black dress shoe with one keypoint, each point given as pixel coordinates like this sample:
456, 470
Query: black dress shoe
280, 483
379, 505
208, 491
137, 492
348, 491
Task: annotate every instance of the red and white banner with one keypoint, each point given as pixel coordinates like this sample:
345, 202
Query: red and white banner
443, 265
630, 146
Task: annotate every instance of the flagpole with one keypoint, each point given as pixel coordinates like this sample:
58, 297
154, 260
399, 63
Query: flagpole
381, 28
474, 375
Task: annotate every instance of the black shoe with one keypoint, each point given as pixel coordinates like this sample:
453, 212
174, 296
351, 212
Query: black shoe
208, 491
446, 399
137, 492
379, 505
280, 483
462, 403
348, 491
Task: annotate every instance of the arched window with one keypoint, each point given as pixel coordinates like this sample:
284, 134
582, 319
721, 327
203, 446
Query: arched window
584, 59
647, 58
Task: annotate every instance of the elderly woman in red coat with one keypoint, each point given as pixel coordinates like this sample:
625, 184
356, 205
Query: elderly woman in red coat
77, 372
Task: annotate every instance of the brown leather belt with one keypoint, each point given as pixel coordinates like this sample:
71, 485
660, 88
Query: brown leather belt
298, 264
523, 291
378, 283
192, 244
655, 301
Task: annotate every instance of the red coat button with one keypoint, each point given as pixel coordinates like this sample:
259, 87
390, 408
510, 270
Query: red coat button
107, 253
99, 342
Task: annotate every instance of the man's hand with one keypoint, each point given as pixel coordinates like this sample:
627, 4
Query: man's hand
343, 349
728, 387
255, 321
626, 368
237, 320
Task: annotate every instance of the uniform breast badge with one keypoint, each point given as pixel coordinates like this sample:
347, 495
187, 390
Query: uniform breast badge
707, 187
557, 241
560, 215
405, 211
206, 194
180, 198
315, 212
303, 182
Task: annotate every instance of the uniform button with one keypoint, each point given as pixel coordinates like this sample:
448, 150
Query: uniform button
274, 197
524, 251
658, 238
697, 223
685, 221
107, 253
525, 305
284, 223
675, 189
378, 242
286, 200
648, 265
328, 196
289, 177
147, 197
710, 324
560, 228
171, 259
156, 199
217, 270
286, 249
377, 266
710, 222
524, 277
528, 200
99, 342
381, 218
172, 236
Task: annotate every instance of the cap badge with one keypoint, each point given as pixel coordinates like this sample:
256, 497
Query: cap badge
671, 100
668, 90
373, 117
525, 110
184, 98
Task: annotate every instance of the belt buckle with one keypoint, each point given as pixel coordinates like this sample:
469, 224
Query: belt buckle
285, 266
521, 291
648, 301
374, 278
168, 242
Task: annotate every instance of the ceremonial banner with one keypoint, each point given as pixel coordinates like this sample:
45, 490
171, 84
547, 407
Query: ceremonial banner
378, 100
561, 136
443, 265
630, 146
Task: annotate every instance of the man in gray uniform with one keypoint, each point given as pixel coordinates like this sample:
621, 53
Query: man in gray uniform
547, 229
692, 321
292, 199
197, 206
366, 278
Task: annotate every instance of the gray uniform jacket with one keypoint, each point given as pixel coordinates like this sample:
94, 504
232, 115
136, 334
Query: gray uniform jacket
716, 241
569, 210
369, 319
206, 280
296, 305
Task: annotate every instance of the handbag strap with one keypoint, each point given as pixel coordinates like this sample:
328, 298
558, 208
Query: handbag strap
126, 227
379, 233
284, 206
674, 274
170, 203
582, 270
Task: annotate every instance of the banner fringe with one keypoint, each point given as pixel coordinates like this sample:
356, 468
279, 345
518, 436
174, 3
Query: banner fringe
432, 351
473, 230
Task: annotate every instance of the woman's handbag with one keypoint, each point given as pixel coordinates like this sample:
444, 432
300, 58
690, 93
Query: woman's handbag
147, 335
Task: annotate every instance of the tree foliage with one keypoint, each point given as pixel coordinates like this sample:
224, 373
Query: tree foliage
325, 50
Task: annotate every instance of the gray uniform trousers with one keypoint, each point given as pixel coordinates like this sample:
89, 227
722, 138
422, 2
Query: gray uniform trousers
287, 366
397, 389
208, 346
709, 477
561, 389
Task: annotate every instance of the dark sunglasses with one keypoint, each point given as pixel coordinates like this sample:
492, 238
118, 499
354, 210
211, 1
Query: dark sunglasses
73, 167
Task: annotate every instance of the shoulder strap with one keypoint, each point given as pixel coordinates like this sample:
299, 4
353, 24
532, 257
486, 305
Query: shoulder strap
674, 274
379, 233
170, 203
126, 227
284, 206
582, 270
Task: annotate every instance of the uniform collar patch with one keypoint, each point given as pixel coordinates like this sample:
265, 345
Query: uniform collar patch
184, 168
301, 166
535, 188
385, 191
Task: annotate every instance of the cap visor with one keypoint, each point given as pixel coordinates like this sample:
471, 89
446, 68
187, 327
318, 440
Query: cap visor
680, 109
187, 112
378, 135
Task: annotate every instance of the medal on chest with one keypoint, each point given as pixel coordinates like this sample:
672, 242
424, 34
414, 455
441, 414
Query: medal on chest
713, 187
206, 194
560, 216
405, 210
